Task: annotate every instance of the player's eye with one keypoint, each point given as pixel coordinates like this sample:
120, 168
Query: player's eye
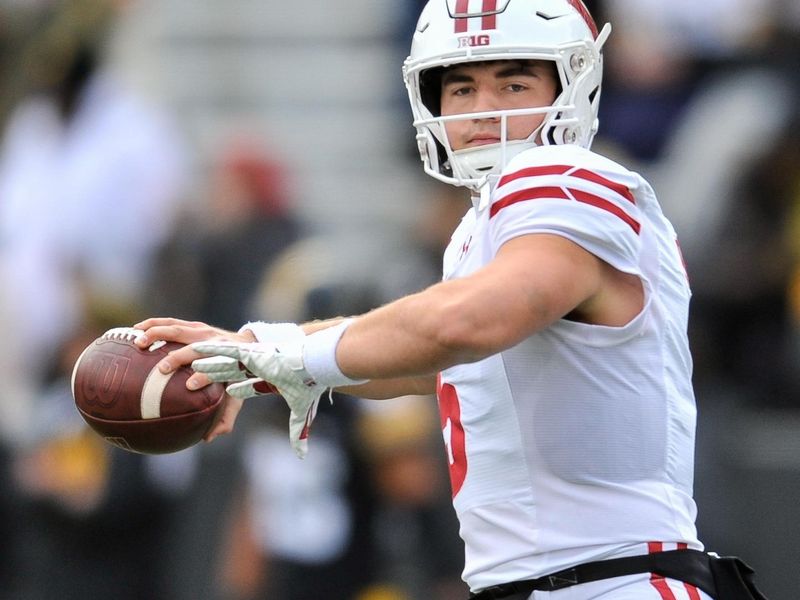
516, 87
461, 90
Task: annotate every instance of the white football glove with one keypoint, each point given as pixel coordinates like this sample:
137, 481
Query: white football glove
221, 369
229, 370
243, 383
266, 362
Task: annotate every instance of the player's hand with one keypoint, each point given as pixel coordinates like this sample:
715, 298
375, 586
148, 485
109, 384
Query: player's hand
185, 332
234, 399
225, 418
282, 366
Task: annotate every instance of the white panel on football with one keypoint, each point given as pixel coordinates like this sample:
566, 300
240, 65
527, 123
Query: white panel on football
152, 391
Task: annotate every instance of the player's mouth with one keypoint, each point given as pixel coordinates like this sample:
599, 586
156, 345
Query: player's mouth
482, 140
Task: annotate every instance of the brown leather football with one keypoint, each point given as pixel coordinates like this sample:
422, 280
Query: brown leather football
123, 396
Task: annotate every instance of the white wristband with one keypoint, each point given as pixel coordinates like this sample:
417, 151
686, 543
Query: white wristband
319, 357
274, 332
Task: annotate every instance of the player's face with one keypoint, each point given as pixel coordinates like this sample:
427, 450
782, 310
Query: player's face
491, 86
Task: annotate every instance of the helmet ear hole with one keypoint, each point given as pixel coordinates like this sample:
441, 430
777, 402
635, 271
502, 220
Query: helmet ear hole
430, 89
444, 160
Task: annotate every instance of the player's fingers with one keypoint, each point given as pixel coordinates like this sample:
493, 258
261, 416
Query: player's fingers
218, 348
298, 434
255, 386
157, 321
244, 389
221, 368
198, 380
178, 358
184, 332
226, 418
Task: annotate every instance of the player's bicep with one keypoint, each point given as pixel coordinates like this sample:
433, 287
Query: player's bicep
541, 278
562, 279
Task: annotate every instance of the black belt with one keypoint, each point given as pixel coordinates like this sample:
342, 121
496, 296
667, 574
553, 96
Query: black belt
690, 566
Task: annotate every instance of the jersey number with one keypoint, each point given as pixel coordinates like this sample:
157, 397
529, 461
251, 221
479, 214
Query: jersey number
453, 432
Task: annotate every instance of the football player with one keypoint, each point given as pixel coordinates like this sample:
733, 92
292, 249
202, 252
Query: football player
556, 342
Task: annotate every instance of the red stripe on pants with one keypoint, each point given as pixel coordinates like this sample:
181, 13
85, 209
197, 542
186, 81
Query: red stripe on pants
690, 589
657, 581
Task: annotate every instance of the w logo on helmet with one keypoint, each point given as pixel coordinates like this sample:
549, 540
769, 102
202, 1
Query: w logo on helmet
486, 10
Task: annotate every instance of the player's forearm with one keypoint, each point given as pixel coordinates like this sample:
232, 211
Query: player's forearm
420, 334
318, 325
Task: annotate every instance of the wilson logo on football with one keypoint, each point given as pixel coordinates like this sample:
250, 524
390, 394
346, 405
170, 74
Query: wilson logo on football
107, 371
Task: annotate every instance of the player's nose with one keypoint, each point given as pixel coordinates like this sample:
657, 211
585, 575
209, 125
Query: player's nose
486, 101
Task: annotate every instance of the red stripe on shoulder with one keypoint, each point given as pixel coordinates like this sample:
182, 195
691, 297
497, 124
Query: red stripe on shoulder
529, 194
599, 202
534, 172
622, 190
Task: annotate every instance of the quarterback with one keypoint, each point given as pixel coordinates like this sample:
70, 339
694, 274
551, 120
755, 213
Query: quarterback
556, 342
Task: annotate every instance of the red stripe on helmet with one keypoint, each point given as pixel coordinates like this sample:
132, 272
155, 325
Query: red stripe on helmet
462, 8
489, 21
584, 12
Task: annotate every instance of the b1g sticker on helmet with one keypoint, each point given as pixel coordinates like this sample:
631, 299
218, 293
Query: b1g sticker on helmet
474, 40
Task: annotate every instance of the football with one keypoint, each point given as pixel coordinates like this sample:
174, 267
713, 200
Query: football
122, 395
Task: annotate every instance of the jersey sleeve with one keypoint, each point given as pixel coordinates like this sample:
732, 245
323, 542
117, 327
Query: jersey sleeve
572, 193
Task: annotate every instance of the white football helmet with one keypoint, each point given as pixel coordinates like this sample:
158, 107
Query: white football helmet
450, 32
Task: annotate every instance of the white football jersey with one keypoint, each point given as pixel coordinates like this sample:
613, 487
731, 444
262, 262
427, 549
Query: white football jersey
578, 443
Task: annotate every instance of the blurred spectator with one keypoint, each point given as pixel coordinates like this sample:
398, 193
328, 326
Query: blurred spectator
711, 181
306, 524
96, 518
415, 526
660, 54
90, 177
419, 263
712, 30
305, 527
247, 223
219, 253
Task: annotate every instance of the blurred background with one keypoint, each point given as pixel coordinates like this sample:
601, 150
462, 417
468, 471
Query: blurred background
254, 159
